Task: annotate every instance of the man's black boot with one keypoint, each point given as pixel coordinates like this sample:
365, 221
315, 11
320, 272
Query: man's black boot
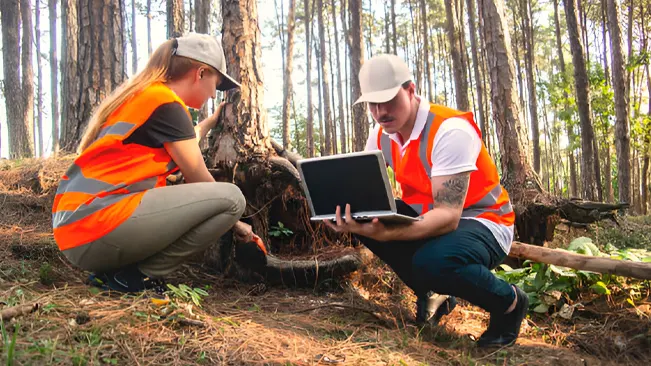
503, 329
427, 312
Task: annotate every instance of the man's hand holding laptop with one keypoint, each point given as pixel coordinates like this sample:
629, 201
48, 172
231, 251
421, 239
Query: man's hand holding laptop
375, 229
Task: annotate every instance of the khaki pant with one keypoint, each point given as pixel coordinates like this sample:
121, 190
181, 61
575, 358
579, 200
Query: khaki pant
170, 225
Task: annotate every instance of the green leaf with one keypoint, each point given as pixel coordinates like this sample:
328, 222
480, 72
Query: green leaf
563, 271
201, 291
600, 288
630, 301
541, 308
505, 267
646, 259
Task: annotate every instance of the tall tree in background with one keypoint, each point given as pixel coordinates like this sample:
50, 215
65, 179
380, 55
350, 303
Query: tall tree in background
570, 134
340, 95
175, 18
54, 74
325, 82
202, 25
134, 43
39, 79
516, 166
308, 78
622, 136
360, 121
18, 126
27, 70
426, 52
528, 38
149, 16
93, 57
287, 79
477, 68
460, 72
582, 87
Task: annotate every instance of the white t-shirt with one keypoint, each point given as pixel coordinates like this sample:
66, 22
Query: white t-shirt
455, 150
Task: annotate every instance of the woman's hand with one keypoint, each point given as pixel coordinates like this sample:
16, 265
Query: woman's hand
243, 232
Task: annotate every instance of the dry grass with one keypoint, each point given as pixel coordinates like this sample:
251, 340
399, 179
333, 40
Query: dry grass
366, 322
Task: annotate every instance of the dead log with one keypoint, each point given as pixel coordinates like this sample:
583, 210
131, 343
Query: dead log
570, 259
16, 311
309, 272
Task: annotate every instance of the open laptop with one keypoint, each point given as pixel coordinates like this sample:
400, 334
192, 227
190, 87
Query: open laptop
359, 179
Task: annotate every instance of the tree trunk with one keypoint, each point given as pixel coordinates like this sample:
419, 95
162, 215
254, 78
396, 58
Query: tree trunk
516, 168
149, 16
568, 127
340, 96
622, 136
477, 68
360, 121
646, 147
175, 18
287, 79
583, 102
460, 72
322, 129
527, 16
394, 35
134, 42
202, 25
325, 80
27, 69
333, 120
308, 79
604, 42
426, 51
19, 129
93, 59
54, 75
39, 78
418, 75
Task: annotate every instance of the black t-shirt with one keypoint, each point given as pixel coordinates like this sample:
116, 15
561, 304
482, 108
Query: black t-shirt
168, 123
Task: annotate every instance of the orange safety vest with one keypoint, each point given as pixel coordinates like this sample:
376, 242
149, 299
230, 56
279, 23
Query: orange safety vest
486, 197
105, 184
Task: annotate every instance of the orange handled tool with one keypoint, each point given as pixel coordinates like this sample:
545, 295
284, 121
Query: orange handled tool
260, 243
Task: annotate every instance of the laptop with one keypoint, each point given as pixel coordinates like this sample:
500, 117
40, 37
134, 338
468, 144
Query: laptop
359, 179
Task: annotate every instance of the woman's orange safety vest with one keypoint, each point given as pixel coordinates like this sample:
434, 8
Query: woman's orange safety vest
105, 184
486, 198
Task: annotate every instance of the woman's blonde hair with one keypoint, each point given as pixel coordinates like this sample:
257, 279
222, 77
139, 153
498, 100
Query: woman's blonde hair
163, 66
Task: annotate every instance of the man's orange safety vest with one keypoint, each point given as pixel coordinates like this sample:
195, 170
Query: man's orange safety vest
105, 184
486, 198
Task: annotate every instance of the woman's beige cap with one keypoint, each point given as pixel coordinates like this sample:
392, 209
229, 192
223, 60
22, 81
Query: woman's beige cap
381, 77
205, 48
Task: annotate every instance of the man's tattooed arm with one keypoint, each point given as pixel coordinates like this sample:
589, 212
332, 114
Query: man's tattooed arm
450, 190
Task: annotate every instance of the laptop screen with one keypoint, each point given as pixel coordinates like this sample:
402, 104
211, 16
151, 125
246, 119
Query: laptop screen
356, 180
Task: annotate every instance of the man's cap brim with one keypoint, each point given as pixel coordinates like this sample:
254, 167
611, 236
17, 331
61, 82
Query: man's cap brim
380, 96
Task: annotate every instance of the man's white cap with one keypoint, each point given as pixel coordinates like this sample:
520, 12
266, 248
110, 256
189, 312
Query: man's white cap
205, 48
381, 77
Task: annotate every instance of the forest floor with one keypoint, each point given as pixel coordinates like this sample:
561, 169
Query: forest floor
367, 321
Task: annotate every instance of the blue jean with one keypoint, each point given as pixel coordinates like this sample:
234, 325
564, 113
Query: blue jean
457, 264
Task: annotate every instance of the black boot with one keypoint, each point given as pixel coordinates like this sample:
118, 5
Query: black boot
131, 280
503, 329
425, 313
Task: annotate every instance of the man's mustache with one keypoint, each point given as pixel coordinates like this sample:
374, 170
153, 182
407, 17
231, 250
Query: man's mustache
386, 119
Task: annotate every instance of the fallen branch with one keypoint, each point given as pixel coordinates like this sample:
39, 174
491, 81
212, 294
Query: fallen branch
569, 259
306, 272
18, 310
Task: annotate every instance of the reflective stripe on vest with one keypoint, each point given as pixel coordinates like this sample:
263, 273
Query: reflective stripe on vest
78, 183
